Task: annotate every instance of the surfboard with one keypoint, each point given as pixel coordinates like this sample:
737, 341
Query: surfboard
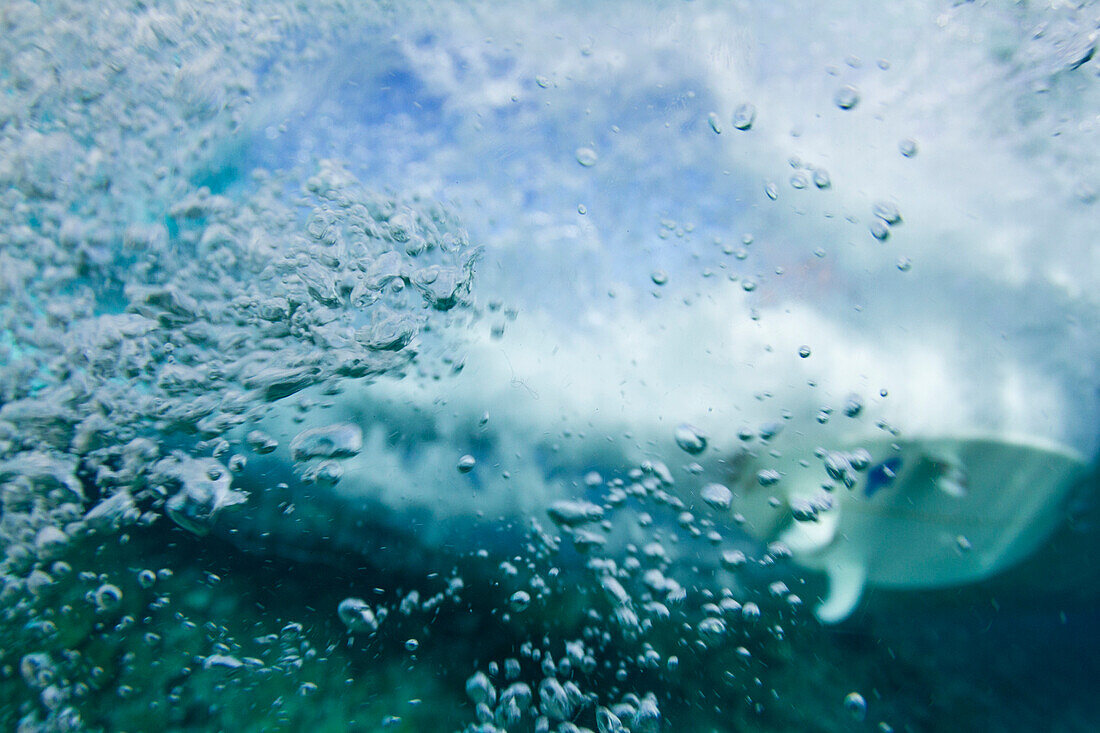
914, 512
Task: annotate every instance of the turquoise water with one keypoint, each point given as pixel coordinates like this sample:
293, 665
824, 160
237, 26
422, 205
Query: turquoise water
689, 366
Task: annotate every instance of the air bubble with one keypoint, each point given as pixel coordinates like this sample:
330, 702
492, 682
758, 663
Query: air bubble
712, 629
357, 615
744, 116
333, 441
480, 690
733, 559
204, 491
520, 601
855, 706
768, 477
574, 513
553, 700
50, 542
879, 230
691, 440
587, 157
803, 510
717, 496
859, 459
887, 211
846, 97
608, 722
222, 661
388, 331
108, 597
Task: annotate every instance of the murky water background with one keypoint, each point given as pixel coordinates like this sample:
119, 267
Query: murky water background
686, 366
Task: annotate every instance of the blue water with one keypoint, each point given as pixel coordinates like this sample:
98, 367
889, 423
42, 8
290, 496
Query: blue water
507, 256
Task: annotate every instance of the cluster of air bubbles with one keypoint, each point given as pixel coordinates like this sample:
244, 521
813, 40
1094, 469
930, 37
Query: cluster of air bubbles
641, 618
153, 302
259, 310
886, 215
842, 467
806, 175
553, 704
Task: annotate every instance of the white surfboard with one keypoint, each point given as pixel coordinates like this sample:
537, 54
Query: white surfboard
922, 512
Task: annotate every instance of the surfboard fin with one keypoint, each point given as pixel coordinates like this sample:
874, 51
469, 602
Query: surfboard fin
847, 576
